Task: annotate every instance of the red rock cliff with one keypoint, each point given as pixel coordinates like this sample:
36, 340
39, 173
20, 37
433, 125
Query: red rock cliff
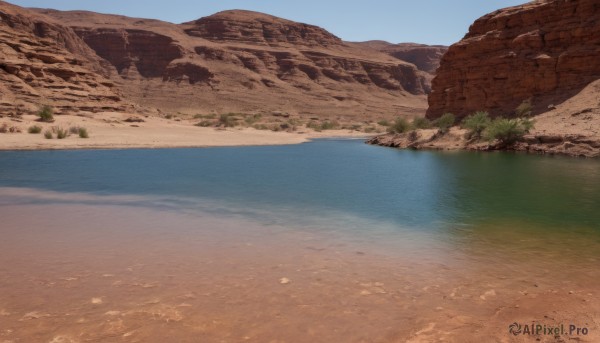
546, 51
43, 62
247, 61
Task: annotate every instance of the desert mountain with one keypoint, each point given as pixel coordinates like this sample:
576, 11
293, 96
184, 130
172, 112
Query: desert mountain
242, 61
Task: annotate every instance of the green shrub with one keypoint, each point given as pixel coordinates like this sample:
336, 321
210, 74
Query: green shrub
329, 125
205, 123
48, 134
46, 114
261, 127
34, 129
227, 120
445, 122
60, 132
250, 120
476, 123
83, 133
383, 122
525, 109
401, 125
421, 123
508, 131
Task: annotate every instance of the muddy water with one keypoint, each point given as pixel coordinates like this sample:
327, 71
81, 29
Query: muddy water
86, 256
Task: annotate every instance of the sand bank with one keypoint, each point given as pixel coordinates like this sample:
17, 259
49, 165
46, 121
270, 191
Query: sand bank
110, 130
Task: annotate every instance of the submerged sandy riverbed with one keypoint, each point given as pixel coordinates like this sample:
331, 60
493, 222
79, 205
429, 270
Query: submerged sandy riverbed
81, 267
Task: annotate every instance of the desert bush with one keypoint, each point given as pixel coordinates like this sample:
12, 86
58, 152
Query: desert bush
205, 123
400, 126
508, 131
476, 123
4, 128
48, 134
74, 130
60, 132
421, 123
34, 129
445, 122
329, 125
46, 114
525, 109
251, 119
383, 122
227, 120
83, 133
261, 127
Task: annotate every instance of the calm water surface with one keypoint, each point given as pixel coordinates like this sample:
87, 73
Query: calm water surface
427, 245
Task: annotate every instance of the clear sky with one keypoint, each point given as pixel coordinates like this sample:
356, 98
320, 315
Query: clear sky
421, 21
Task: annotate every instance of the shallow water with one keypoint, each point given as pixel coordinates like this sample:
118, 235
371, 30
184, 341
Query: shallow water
378, 244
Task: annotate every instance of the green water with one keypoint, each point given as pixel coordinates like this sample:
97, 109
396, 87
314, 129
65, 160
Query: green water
325, 178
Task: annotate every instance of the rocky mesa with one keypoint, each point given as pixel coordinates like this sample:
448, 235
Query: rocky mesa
242, 61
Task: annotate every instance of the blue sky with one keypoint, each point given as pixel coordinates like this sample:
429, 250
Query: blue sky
421, 21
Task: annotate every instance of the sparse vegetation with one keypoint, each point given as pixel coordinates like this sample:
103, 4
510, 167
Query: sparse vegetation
251, 119
46, 114
74, 130
508, 131
421, 123
401, 125
525, 109
445, 122
326, 125
476, 123
384, 122
227, 120
205, 116
205, 123
9, 129
60, 132
48, 134
83, 133
34, 129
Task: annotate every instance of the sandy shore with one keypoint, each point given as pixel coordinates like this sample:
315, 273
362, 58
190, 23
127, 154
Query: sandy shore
109, 130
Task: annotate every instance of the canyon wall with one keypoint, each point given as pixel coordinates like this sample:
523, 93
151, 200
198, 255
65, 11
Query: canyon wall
242, 61
45, 63
544, 52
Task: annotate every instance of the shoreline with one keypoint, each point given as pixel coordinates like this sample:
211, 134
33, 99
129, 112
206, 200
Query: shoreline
536, 143
109, 131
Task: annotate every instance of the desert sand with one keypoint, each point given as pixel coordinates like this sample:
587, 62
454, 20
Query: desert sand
109, 130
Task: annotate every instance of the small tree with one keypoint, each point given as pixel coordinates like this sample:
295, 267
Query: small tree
399, 126
46, 114
445, 122
476, 123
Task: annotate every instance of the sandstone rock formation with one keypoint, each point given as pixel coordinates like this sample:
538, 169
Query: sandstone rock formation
546, 51
241, 61
425, 57
43, 62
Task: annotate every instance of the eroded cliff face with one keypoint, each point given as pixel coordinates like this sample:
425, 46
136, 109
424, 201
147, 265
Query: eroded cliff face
546, 51
244, 61
45, 63
425, 57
